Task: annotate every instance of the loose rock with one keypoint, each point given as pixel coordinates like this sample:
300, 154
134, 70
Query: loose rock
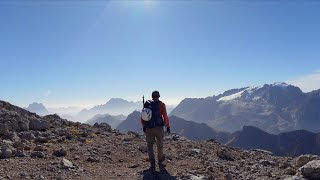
60, 153
66, 163
37, 154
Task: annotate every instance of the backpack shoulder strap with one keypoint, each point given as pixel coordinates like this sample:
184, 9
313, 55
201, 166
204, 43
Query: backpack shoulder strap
148, 104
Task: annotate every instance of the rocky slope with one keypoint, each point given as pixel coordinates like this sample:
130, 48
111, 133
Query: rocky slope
36, 147
275, 108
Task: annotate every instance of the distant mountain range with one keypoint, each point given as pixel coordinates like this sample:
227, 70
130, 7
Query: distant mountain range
115, 106
275, 108
188, 129
113, 121
292, 143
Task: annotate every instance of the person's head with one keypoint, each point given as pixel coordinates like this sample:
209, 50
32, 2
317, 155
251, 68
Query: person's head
155, 95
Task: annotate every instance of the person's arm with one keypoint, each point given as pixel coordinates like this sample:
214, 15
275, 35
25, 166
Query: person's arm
165, 116
142, 122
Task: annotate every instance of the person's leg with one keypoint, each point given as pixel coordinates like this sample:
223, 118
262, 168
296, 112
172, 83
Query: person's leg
159, 137
150, 138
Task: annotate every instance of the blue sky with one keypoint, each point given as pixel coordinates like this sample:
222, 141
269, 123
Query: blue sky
84, 53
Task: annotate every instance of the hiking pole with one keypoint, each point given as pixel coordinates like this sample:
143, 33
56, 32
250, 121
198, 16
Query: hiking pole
143, 100
142, 109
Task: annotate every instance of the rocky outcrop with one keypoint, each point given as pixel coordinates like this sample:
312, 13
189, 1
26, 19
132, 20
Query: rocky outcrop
13, 118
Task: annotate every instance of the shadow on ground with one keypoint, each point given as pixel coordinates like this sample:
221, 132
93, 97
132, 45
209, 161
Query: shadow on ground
162, 175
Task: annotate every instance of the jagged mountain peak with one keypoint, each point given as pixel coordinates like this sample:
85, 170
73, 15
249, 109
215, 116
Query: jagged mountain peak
36, 105
38, 108
117, 101
275, 108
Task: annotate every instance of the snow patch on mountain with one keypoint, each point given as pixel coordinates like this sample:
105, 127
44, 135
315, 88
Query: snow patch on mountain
250, 93
282, 85
232, 96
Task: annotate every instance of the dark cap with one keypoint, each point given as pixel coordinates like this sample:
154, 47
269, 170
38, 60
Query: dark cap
155, 94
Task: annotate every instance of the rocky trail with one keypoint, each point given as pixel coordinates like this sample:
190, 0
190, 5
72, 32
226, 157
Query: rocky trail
36, 147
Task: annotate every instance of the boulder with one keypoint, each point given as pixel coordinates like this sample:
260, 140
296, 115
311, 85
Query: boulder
267, 163
304, 159
8, 142
26, 135
104, 126
39, 148
3, 129
295, 178
27, 147
290, 171
195, 151
21, 153
143, 148
23, 125
42, 139
134, 166
17, 144
262, 151
12, 136
93, 159
285, 165
197, 177
5, 153
60, 153
225, 155
311, 170
38, 124
61, 132
37, 154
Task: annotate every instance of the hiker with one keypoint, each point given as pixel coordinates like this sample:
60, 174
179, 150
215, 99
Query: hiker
153, 127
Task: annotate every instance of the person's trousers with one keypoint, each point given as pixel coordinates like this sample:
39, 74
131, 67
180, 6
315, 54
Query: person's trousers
152, 134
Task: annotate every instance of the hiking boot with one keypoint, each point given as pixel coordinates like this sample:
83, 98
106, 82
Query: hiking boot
162, 163
162, 160
152, 165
